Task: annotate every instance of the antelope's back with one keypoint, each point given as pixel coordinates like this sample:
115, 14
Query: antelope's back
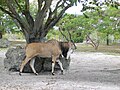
54, 42
42, 49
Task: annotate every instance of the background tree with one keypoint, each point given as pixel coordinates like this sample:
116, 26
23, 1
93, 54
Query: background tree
35, 26
99, 24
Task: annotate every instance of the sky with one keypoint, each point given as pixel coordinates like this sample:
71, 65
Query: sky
75, 9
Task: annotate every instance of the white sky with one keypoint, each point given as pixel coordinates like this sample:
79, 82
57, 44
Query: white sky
75, 9
31, 1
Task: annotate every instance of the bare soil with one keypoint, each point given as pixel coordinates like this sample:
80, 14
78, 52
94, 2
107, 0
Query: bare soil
88, 71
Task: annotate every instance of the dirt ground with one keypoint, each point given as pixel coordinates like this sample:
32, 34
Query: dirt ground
88, 71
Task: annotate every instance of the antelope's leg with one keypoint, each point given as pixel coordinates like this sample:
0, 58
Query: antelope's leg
53, 65
32, 66
60, 64
69, 53
23, 64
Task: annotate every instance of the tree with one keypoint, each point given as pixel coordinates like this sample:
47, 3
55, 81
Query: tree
35, 27
109, 23
100, 22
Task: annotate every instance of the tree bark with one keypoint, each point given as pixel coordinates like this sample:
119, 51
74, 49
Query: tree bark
0, 34
107, 39
91, 42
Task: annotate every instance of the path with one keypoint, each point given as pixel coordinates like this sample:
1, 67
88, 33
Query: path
88, 71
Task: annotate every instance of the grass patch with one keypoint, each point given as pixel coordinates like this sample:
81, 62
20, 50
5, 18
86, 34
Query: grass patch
14, 44
3, 49
111, 49
17, 42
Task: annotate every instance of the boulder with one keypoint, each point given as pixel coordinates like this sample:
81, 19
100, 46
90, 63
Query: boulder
4, 43
15, 56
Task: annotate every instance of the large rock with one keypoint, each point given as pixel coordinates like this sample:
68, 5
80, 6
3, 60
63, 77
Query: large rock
4, 43
14, 57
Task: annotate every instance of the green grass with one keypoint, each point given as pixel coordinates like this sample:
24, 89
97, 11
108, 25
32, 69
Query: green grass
111, 49
17, 42
14, 44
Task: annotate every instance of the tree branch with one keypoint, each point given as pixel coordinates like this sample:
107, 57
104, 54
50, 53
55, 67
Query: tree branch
54, 20
91, 42
63, 34
70, 36
40, 4
38, 24
15, 15
7, 12
27, 5
11, 8
16, 1
26, 13
53, 14
29, 18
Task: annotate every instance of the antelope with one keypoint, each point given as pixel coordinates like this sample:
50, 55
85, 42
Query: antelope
66, 47
42, 49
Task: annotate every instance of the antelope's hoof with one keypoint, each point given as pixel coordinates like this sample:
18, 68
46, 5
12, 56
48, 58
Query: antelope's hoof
53, 73
36, 74
62, 72
66, 59
20, 73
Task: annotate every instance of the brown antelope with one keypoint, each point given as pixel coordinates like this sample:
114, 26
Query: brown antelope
66, 47
43, 49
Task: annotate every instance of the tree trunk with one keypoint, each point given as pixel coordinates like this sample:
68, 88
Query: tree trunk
91, 42
0, 34
34, 35
107, 39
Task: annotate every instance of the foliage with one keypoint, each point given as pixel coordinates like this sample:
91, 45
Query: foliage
35, 25
7, 25
53, 34
99, 24
108, 25
36, 20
